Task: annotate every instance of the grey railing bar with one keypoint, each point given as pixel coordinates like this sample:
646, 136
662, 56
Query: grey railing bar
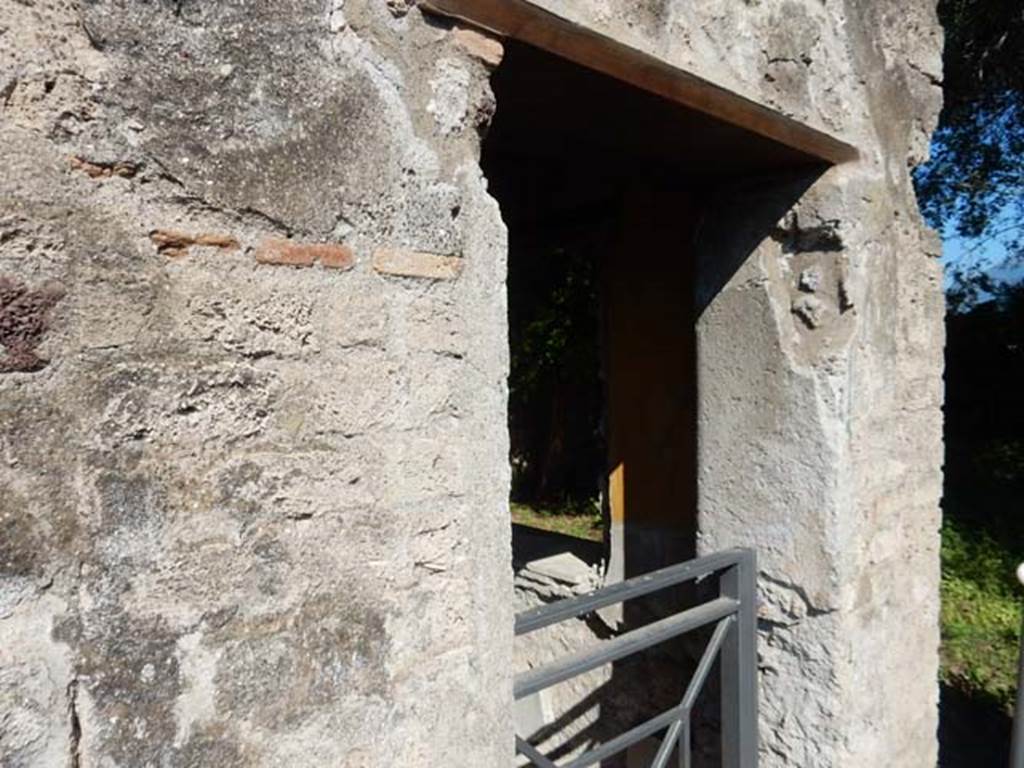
624, 645
739, 667
545, 615
526, 748
669, 741
627, 740
707, 659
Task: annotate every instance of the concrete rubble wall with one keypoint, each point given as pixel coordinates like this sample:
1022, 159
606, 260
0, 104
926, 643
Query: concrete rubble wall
253, 455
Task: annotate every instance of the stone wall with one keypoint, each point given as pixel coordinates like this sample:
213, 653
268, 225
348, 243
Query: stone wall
820, 386
254, 469
253, 456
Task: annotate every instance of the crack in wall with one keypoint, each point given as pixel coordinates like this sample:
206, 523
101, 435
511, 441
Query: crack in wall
810, 609
75, 735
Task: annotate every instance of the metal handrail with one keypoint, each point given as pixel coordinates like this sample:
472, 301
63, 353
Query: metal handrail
734, 640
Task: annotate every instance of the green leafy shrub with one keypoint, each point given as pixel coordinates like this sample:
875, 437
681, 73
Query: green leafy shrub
981, 612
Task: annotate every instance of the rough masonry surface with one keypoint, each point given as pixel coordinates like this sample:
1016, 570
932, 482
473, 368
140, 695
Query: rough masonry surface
249, 513
257, 515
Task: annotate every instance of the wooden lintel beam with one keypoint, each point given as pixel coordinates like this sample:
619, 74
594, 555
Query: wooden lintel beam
524, 21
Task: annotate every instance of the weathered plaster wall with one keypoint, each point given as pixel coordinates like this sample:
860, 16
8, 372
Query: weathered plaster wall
253, 456
253, 462
837, 481
820, 357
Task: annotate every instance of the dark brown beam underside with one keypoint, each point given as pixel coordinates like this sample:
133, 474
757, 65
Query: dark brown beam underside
528, 23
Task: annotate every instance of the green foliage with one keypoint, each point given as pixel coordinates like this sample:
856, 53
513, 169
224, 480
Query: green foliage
983, 534
981, 613
555, 339
555, 388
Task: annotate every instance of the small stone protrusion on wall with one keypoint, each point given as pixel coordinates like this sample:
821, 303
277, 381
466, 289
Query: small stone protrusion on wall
824, 236
810, 280
399, 8
172, 243
810, 309
408, 263
812, 300
818, 293
486, 49
280, 251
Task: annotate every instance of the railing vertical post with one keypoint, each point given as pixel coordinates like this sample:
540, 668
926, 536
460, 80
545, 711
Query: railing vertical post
685, 754
739, 667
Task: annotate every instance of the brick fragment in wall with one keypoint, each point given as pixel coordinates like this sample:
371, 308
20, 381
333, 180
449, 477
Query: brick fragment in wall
172, 243
24, 321
407, 263
104, 170
275, 250
480, 46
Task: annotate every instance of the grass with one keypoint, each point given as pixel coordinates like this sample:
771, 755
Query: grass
982, 545
981, 609
581, 524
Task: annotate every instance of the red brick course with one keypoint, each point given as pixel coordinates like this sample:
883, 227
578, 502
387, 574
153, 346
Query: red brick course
274, 250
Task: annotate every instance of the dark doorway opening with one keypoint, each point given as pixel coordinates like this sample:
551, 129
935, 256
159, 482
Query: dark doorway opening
601, 220
606, 190
611, 196
597, 182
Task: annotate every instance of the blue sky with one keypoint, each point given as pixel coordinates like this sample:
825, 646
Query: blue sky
985, 255
998, 253
990, 258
